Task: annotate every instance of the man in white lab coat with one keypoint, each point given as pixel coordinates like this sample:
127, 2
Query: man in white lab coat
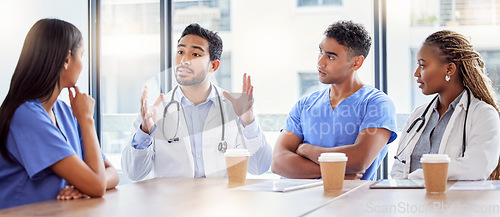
185, 132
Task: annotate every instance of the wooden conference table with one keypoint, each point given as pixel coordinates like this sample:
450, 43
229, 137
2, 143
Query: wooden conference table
186, 197
413, 202
214, 197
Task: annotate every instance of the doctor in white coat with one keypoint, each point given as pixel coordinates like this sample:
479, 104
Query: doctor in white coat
186, 132
462, 121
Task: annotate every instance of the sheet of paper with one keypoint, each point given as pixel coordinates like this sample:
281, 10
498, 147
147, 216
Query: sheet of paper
281, 185
475, 185
398, 184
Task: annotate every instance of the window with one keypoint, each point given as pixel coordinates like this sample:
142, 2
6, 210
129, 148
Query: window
130, 58
212, 14
309, 83
302, 3
455, 12
469, 12
492, 64
223, 75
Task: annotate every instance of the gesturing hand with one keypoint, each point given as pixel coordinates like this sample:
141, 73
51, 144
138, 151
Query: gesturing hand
149, 113
243, 105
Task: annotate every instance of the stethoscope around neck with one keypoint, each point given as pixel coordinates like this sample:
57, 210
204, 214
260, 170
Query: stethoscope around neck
222, 147
422, 120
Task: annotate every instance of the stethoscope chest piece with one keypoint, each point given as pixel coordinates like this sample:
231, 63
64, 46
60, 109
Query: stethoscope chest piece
222, 146
173, 139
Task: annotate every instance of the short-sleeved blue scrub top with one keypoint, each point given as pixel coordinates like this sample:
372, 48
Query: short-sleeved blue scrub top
35, 143
315, 122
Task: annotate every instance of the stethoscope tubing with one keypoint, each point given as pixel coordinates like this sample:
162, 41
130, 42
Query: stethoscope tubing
422, 119
222, 147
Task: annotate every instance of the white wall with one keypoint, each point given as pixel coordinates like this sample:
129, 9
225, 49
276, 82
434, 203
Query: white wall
17, 17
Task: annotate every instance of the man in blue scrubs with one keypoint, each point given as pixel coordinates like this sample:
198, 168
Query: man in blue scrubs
349, 116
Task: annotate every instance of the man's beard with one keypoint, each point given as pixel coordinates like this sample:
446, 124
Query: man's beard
194, 81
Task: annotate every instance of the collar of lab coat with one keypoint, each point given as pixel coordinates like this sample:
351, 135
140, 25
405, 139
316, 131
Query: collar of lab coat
413, 136
461, 105
459, 110
179, 94
455, 102
212, 96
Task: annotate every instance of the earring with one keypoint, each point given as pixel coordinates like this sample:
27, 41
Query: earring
447, 78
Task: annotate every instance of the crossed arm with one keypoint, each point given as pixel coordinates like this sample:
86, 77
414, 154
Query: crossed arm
294, 159
93, 175
70, 192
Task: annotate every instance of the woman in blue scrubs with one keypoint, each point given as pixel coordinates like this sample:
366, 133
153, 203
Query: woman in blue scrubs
48, 149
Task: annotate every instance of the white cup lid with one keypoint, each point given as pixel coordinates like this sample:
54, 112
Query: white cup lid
434, 158
332, 157
237, 153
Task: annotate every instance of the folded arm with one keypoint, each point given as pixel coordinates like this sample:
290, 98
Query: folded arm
88, 176
368, 145
112, 177
289, 164
70, 192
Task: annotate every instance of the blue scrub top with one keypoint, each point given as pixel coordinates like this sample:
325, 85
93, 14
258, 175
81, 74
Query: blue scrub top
35, 143
315, 122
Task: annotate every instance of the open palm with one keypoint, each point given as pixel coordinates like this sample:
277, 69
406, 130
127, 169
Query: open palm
149, 113
243, 105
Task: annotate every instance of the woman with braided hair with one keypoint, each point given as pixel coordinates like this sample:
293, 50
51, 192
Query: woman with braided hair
461, 121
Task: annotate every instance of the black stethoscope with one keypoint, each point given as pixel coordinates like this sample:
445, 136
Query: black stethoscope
222, 147
422, 123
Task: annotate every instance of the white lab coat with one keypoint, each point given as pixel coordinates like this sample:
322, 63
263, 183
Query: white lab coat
163, 159
482, 142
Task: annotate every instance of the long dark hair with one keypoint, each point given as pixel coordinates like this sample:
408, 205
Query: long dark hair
38, 70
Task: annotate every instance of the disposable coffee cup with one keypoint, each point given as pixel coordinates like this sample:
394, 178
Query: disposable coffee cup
332, 167
237, 165
435, 172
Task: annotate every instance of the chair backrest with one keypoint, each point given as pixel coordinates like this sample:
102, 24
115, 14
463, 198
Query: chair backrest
495, 175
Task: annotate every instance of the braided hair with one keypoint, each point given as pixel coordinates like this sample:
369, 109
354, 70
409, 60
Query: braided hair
455, 48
